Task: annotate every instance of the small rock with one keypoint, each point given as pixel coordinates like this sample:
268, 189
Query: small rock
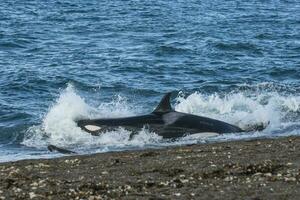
184, 180
177, 194
268, 174
32, 195
290, 179
104, 172
29, 167
18, 190
127, 187
161, 184
34, 184
257, 174
94, 198
228, 178
41, 165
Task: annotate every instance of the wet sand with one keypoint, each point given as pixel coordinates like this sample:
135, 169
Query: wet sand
257, 169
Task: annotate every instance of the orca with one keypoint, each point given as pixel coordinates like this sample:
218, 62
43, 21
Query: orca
164, 121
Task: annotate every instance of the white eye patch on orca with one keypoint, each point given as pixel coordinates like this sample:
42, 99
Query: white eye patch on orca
92, 127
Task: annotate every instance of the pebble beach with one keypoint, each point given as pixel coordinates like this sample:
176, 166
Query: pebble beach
255, 169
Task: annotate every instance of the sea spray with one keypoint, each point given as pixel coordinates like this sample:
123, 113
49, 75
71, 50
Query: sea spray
237, 108
59, 125
59, 128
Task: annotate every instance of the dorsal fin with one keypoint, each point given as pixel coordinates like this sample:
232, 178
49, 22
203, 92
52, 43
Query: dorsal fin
164, 105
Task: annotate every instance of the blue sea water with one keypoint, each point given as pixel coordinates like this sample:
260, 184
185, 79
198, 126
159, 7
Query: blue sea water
60, 60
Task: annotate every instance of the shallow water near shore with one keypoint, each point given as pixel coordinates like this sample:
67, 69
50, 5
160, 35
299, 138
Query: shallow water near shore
233, 61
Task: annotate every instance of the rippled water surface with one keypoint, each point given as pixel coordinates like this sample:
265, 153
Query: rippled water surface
62, 60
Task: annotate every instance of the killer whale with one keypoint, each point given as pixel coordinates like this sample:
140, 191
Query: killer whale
164, 121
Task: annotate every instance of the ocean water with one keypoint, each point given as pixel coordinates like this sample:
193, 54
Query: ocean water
61, 60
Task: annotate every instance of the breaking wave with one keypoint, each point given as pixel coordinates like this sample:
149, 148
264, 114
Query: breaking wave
279, 112
59, 127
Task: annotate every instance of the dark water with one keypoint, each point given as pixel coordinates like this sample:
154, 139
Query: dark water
232, 60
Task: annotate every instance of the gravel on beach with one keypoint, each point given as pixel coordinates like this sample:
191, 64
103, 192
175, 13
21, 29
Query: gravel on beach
256, 169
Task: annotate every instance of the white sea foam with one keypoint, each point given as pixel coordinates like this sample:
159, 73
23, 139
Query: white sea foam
239, 108
59, 126
236, 109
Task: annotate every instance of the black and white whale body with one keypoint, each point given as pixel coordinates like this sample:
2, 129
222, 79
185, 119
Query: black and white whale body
164, 121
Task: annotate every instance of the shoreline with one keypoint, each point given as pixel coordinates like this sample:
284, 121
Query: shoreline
254, 169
